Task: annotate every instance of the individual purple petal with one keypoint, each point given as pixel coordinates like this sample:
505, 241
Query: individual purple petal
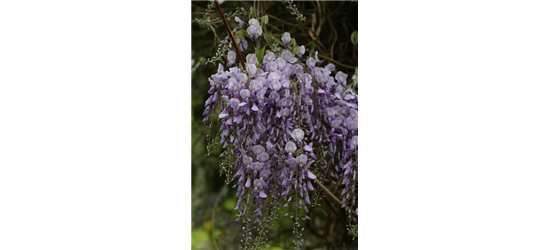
259, 183
280, 63
336, 123
231, 56
244, 93
275, 85
252, 31
316, 57
265, 173
292, 161
290, 147
223, 114
252, 69
341, 78
286, 38
233, 102
237, 119
262, 194
256, 166
310, 186
302, 159
310, 175
253, 22
254, 108
330, 67
248, 183
251, 58
263, 157
301, 50
298, 134
311, 62
285, 83
269, 57
242, 43
247, 160
258, 149
274, 76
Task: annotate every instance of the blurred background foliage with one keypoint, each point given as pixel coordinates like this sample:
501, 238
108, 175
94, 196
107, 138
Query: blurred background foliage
329, 27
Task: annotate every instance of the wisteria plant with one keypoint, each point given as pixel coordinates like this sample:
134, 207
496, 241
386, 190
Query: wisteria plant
288, 127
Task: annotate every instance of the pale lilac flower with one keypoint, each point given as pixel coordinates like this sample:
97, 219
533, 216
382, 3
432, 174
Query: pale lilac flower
258, 149
290, 147
251, 58
287, 55
253, 22
264, 173
341, 78
233, 102
242, 43
240, 22
302, 159
252, 69
300, 51
254, 30
311, 62
256, 166
263, 157
286, 38
245, 94
231, 56
330, 67
298, 134
270, 56
275, 85
247, 160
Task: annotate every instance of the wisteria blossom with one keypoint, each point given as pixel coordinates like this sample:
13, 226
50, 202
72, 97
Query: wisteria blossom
287, 124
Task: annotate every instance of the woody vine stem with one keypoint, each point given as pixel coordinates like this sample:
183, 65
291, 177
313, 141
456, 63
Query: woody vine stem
230, 34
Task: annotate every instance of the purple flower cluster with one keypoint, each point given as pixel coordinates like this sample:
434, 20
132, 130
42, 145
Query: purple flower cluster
285, 122
254, 30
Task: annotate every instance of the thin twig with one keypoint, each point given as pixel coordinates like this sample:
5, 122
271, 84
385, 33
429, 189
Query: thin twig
215, 34
332, 195
230, 34
336, 62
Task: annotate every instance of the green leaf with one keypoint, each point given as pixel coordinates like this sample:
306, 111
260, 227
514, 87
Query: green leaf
264, 20
260, 53
354, 37
294, 46
241, 34
251, 12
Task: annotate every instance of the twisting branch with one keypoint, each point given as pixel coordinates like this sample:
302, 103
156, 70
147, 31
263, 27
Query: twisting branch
230, 34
